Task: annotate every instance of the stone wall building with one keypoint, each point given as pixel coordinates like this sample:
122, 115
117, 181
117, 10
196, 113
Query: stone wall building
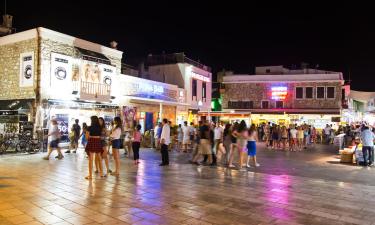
285, 96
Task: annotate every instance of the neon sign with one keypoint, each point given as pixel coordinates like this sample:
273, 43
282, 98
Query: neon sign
279, 93
145, 87
200, 77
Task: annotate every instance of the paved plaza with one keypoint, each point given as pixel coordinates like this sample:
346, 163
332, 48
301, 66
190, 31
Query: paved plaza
308, 187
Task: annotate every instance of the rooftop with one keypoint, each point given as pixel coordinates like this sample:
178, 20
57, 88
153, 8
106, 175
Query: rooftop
239, 78
174, 58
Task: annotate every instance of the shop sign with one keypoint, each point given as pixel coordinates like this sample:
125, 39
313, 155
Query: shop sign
279, 92
200, 77
82, 105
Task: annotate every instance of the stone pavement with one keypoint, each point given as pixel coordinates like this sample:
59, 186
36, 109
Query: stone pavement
289, 188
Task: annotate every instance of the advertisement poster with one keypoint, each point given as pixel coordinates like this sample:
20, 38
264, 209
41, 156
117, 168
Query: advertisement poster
63, 125
108, 120
26, 69
129, 113
61, 73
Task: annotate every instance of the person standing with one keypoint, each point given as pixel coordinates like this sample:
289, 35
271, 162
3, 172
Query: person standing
136, 143
300, 136
76, 131
242, 134
327, 134
227, 141
367, 138
54, 135
180, 136
165, 140
293, 139
185, 136
83, 135
218, 135
284, 137
116, 144
233, 145
252, 147
105, 141
160, 128
94, 145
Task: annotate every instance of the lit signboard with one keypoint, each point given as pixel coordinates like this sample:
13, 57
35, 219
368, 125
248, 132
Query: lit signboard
279, 93
200, 77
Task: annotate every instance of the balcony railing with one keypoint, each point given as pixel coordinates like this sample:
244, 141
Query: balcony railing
92, 91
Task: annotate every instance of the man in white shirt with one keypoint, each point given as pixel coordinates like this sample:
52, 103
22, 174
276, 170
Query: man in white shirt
186, 136
218, 136
293, 139
165, 140
327, 133
54, 139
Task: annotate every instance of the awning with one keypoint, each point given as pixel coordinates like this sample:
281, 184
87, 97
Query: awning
287, 111
221, 113
16, 104
81, 104
93, 56
155, 101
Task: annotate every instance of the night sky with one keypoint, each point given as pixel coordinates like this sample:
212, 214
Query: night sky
234, 36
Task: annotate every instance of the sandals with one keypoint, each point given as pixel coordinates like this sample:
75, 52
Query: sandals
88, 177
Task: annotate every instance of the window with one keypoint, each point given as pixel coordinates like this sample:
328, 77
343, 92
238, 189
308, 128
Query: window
279, 104
320, 92
248, 105
265, 105
204, 91
309, 92
194, 89
299, 92
330, 92
268, 71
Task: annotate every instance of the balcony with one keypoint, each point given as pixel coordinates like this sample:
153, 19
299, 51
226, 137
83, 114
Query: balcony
89, 91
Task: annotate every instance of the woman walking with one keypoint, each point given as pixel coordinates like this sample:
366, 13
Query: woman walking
233, 145
116, 144
242, 135
94, 145
252, 147
227, 141
104, 140
136, 143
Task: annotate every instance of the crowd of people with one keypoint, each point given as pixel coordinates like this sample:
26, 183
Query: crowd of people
210, 143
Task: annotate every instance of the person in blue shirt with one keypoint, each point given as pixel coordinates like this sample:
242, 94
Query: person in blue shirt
158, 133
367, 138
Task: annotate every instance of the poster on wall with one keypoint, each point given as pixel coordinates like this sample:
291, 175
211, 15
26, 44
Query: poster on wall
108, 120
61, 72
129, 113
63, 125
97, 73
26, 69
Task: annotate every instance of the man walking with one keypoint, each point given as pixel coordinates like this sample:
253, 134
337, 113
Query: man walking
76, 132
165, 140
367, 138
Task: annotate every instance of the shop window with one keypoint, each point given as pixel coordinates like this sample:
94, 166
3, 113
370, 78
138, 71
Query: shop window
309, 92
330, 92
194, 88
204, 91
320, 92
299, 92
265, 105
279, 104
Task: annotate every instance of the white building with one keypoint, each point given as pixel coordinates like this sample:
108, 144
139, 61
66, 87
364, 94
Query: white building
195, 78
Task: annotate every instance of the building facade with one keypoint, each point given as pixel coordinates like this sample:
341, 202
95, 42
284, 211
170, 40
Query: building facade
47, 74
283, 96
189, 75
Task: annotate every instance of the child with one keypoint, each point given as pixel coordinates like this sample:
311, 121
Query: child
136, 143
